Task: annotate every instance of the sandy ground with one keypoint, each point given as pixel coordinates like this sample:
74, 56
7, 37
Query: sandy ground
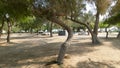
35, 51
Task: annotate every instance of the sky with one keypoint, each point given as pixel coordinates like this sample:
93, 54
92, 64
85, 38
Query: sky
92, 8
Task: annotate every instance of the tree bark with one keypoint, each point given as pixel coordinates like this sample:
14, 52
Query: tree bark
37, 31
118, 36
107, 31
9, 31
51, 33
95, 39
67, 42
1, 28
96, 24
31, 30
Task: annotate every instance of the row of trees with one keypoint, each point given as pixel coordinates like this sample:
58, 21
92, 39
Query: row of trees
34, 12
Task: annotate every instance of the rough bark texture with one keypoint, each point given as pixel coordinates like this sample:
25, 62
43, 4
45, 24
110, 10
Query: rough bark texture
1, 28
95, 32
96, 24
9, 30
67, 42
95, 39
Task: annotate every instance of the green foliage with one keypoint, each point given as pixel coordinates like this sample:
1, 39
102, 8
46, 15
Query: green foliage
57, 7
15, 29
113, 19
87, 18
15, 8
103, 25
115, 8
115, 14
28, 23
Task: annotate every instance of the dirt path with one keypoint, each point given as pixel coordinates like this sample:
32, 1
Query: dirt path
35, 51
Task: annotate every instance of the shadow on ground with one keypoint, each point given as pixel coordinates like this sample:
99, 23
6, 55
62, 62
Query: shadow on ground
92, 64
11, 55
114, 41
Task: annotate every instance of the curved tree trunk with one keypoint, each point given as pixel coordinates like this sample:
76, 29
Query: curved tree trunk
67, 42
95, 39
1, 28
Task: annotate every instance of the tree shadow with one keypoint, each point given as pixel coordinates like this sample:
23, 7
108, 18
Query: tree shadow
92, 64
114, 41
11, 55
80, 48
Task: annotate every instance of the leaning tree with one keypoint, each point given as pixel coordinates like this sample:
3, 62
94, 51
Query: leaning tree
52, 10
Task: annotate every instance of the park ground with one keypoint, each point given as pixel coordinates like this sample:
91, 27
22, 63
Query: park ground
36, 51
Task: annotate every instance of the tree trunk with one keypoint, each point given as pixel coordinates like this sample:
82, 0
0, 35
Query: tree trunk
47, 27
95, 39
1, 28
96, 24
51, 33
118, 36
37, 31
67, 42
9, 30
107, 31
31, 30
78, 29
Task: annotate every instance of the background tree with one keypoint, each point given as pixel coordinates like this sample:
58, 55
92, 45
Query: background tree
15, 10
114, 15
78, 16
114, 20
2, 16
101, 8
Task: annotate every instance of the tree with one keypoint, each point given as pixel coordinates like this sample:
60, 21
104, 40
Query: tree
78, 16
51, 27
2, 16
86, 22
101, 8
114, 20
2, 24
15, 10
114, 16
52, 10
